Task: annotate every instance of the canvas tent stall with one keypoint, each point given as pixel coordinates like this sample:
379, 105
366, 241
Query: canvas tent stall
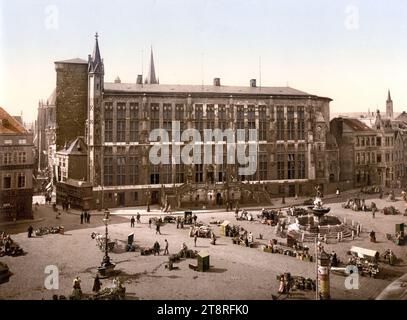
223, 227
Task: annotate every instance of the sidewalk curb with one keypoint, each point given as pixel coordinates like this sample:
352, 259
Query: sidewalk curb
155, 212
11, 223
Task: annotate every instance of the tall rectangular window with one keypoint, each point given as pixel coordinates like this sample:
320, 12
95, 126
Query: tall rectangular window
121, 122
166, 173
108, 117
179, 173
199, 125
134, 122
180, 117
154, 174
280, 123
167, 119
133, 171
301, 165
121, 171
300, 123
7, 182
290, 123
263, 167
291, 166
108, 171
22, 157
210, 116
154, 116
239, 117
222, 118
199, 173
8, 158
280, 166
21, 180
262, 124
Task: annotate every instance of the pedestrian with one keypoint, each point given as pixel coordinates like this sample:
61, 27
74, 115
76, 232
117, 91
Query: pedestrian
30, 231
85, 216
166, 247
178, 220
156, 248
132, 222
157, 229
96, 284
138, 217
82, 218
195, 239
195, 218
281, 288
88, 217
149, 223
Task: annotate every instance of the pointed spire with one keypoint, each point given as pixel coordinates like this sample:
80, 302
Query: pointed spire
151, 79
388, 95
97, 63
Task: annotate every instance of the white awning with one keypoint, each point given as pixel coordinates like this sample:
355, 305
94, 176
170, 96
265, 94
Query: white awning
362, 252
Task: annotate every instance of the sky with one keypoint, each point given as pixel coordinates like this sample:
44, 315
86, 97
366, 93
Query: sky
350, 51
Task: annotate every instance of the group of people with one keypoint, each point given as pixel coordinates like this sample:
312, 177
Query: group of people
66, 206
85, 217
244, 215
132, 220
157, 248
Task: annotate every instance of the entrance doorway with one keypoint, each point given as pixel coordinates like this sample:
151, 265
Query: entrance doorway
219, 199
291, 190
120, 199
154, 197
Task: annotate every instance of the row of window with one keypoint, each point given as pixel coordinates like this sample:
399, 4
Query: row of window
8, 158
290, 166
8, 183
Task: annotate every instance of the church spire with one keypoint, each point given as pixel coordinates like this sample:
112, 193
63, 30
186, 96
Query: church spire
389, 106
97, 63
151, 78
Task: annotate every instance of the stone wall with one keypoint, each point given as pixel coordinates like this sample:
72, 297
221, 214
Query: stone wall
71, 101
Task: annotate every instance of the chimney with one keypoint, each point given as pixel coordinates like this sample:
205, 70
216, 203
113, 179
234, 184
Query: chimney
216, 82
253, 83
139, 79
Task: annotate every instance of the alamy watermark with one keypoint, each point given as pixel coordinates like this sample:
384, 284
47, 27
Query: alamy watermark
198, 150
51, 281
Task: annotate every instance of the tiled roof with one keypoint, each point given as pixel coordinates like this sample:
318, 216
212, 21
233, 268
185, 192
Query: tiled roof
74, 61
9, 124
402, 117
177, 88
72, 148
356, 125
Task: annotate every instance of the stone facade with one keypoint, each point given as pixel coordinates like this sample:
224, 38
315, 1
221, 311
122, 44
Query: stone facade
16, 170
358, 152
71, 100
292, 126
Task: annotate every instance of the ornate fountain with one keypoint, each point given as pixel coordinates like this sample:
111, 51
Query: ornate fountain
317, 223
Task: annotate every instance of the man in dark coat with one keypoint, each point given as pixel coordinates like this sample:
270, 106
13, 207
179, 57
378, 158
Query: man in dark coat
96, 284
30, 231
88, 217
82, 218
132, 222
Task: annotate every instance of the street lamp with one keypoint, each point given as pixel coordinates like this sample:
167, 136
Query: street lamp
106, 265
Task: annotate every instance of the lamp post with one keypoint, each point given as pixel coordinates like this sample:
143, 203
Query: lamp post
107, 265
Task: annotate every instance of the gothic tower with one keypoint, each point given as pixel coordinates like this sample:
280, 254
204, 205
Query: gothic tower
151, 78
96, 74
389, 106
